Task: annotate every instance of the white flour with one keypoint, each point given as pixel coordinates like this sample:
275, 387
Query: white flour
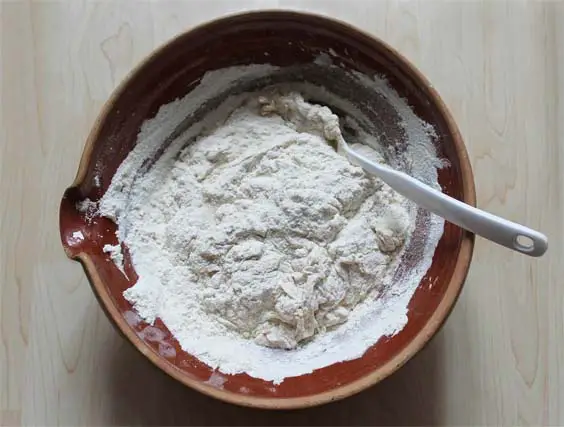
88, 208
115, 255
260, 235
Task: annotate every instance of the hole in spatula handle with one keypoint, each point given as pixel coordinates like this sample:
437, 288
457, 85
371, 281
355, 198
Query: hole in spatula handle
524, 243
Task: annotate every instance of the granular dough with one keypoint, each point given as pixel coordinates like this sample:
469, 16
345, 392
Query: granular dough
275, 235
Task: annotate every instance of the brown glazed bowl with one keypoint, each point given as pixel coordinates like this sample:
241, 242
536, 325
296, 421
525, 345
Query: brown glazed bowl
171, 72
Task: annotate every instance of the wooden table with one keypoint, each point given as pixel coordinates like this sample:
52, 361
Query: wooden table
500, 357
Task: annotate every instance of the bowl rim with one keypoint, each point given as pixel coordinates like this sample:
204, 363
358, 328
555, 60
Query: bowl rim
422, 338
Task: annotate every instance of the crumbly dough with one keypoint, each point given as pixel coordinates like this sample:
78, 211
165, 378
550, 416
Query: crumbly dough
277, 235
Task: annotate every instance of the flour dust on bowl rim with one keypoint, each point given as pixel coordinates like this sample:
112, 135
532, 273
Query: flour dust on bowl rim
300, 43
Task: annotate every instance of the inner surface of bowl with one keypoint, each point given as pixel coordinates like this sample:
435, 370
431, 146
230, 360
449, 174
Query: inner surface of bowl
299, 43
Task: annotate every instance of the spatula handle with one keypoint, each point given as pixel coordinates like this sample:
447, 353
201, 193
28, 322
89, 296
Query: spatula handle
499, 230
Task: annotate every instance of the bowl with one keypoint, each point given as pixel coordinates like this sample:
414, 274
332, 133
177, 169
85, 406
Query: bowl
281, 38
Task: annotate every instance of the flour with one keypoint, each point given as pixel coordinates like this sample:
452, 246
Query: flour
115, 255
88, 208
76, 237
261, 248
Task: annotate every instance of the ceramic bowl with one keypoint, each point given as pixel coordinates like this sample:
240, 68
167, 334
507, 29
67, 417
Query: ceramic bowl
288, 38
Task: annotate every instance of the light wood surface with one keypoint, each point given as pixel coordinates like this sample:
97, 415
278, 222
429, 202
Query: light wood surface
499, 359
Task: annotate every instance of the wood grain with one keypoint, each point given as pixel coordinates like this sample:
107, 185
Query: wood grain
498, 66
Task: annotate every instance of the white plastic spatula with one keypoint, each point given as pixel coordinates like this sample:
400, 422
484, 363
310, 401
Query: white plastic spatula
502, 231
